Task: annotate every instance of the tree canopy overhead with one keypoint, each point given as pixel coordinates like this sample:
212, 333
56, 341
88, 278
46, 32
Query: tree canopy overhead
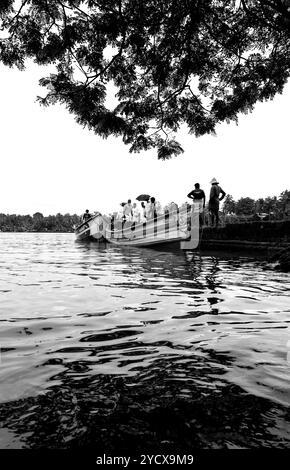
173, 62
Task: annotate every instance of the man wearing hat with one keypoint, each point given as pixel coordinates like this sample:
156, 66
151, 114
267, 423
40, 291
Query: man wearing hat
214, 201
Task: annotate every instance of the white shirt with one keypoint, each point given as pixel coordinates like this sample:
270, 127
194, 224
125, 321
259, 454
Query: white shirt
127, 211
136, 214
143, 214
150, 210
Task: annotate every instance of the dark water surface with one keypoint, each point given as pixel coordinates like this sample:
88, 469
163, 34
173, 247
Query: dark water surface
119, 348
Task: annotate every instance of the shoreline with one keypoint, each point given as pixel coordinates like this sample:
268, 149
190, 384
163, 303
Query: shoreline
260, 235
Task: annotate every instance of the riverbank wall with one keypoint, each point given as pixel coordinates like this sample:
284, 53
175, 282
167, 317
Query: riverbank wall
267, 236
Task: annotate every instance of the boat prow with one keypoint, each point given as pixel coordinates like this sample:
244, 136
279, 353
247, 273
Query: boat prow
91, 229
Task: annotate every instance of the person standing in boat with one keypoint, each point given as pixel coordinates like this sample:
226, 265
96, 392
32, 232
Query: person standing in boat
198, 197
120, 213
86, 216
214, 201
128, 211
143, 212
151, 209
136, 213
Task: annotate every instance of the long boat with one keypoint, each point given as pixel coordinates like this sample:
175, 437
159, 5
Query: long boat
165, 228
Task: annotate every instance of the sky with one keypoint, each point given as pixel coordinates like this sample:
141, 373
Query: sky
50, 164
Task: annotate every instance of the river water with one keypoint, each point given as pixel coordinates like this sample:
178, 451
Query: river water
121, 348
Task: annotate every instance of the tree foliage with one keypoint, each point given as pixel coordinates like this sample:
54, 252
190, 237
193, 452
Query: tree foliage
229, 204
38, 223
245, 205
173, 62
277, 207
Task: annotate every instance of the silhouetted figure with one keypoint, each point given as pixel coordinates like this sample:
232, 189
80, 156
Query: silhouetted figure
214, 201
86, 216
198, 197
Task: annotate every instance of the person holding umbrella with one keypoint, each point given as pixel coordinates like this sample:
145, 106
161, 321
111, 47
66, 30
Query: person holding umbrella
142, 212
143, 198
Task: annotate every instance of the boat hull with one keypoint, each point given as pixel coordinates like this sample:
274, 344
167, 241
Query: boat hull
162, 230
91, 230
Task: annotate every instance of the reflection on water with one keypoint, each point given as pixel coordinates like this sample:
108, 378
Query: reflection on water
120, 347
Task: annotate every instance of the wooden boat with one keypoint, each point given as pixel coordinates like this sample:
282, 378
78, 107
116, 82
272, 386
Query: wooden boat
162, 229
168, 228
91, 229
172, 227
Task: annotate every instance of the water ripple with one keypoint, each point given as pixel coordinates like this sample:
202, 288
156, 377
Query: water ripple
127, 345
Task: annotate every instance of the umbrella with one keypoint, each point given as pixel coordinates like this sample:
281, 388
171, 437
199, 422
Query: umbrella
143, 197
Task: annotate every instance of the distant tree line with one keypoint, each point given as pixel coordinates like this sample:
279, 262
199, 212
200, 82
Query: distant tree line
38, 223
271, 207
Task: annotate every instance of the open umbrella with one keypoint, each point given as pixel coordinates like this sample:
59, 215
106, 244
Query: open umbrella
143, 197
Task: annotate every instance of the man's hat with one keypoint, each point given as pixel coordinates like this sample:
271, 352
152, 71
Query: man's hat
213, 181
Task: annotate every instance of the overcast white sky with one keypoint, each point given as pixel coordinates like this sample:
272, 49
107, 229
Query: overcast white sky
51, 164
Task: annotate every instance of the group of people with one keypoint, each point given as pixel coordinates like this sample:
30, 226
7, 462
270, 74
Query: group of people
147, 210
132, 213
216, 195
